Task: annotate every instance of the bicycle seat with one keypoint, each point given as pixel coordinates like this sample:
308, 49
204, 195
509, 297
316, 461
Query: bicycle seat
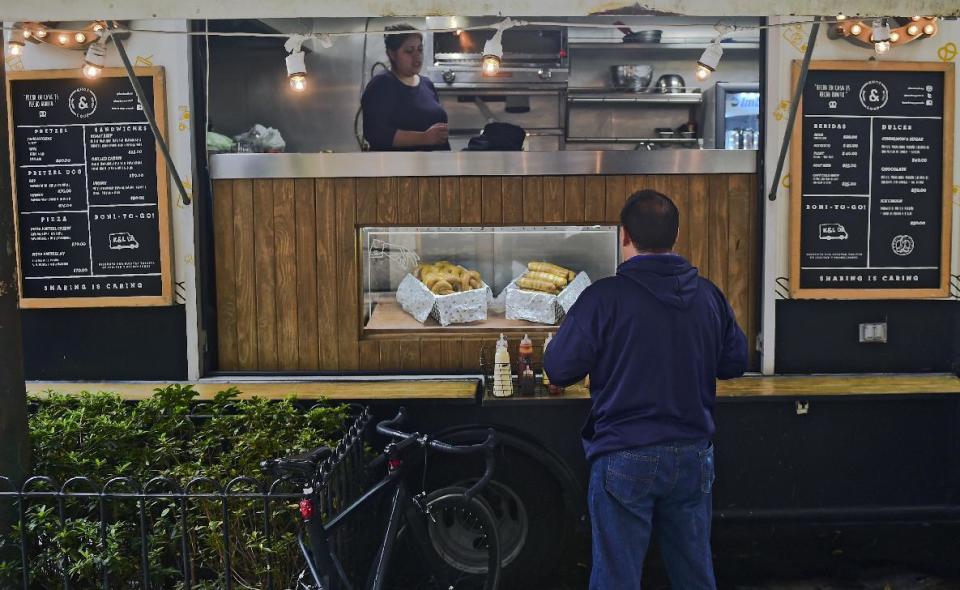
302, 464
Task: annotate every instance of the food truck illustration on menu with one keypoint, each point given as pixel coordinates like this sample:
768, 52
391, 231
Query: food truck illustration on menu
123, 240
833, 231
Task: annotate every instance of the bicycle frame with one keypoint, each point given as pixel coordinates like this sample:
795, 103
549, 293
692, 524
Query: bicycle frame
323, 563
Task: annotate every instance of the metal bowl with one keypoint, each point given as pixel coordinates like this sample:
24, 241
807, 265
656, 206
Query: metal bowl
669, 83
635, 77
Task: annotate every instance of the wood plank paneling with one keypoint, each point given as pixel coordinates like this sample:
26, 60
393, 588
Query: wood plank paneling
390, 355
719, 233
288, 266
452, 355
470, 355
512, 200
753, 287
573, 199
410, 355
429, 201
449, 200
698, 219
327, 269
491, 191
308, 345
678, 189
470, 200
386, 200
366, 201
265, 261
594, 199
408, 201
285, 248
345, 280
552, 199
532, 200
738, 259
224, 273
431, 355
616, 188
244, 231
369, 355
634, 183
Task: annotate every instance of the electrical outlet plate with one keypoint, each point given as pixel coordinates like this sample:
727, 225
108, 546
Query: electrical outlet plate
873, 332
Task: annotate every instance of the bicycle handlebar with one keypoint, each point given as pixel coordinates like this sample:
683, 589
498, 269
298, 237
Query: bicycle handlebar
388, 428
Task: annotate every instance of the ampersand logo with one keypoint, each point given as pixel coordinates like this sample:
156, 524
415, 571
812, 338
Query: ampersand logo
82, 103
873, 95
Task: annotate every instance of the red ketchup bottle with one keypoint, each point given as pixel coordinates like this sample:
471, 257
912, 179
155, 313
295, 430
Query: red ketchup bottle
526, 378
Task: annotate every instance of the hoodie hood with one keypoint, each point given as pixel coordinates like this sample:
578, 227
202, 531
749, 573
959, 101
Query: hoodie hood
668, 277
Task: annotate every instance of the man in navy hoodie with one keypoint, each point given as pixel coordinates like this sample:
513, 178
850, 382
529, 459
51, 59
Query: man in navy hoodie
654, 339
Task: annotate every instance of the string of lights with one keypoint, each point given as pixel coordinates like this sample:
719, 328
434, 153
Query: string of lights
868, 31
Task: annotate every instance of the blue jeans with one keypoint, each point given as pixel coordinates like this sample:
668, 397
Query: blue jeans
664, 487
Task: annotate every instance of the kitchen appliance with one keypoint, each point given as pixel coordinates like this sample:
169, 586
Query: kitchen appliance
635, 77
732, 116
670, 83
531, 54
527, 92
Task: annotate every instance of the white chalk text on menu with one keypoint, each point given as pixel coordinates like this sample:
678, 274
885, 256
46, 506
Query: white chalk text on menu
91, 193
872, 159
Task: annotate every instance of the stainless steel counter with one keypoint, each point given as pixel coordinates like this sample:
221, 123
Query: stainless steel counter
373, 164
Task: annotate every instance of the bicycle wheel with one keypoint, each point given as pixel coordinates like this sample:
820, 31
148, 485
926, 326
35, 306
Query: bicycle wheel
458, 540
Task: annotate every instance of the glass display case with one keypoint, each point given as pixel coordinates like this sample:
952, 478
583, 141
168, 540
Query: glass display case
439, 279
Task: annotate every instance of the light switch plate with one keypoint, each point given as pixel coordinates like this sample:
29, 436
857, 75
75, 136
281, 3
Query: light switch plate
873, 332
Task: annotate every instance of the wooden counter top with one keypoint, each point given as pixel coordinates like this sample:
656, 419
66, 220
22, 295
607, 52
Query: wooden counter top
465, 388
821, 385
352, 390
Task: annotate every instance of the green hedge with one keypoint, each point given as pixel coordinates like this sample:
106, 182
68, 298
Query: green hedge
100, 436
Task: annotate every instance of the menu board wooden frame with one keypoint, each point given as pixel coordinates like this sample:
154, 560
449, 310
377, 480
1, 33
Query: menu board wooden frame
156, 73
796, 153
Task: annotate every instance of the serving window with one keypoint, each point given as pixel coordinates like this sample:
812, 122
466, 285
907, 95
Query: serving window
457, 279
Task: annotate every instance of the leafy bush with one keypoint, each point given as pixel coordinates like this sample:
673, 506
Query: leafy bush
169, 435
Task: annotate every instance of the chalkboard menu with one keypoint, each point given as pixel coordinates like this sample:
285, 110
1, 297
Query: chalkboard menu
871, 180
90, 190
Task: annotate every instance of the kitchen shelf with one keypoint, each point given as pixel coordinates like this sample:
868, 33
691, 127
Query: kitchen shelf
594, 97
689, 46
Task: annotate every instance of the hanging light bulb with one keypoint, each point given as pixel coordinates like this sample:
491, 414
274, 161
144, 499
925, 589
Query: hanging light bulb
913, 30
915, 18
96, 58
493, 50
841, 17
881, 36
296, 64
80, 37
297, 71
894, 36
709, 60
40, 33
15, 44
929, 29
856, 29
63, 39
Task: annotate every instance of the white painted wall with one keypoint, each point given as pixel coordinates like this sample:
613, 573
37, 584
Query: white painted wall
788, 44
173, 53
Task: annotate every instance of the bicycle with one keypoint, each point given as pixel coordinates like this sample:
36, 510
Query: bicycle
452, 529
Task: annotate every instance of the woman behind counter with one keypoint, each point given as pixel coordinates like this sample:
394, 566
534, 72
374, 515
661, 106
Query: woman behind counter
401, 108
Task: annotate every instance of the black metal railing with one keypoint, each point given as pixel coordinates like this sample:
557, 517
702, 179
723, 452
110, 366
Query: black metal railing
161, 534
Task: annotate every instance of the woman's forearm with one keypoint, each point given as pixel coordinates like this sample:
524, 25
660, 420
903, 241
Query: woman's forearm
404, 138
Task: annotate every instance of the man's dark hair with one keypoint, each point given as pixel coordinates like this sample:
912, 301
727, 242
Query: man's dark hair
395, 41
651, 220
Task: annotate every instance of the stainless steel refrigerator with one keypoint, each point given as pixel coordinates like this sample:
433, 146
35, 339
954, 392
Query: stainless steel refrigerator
732, 116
